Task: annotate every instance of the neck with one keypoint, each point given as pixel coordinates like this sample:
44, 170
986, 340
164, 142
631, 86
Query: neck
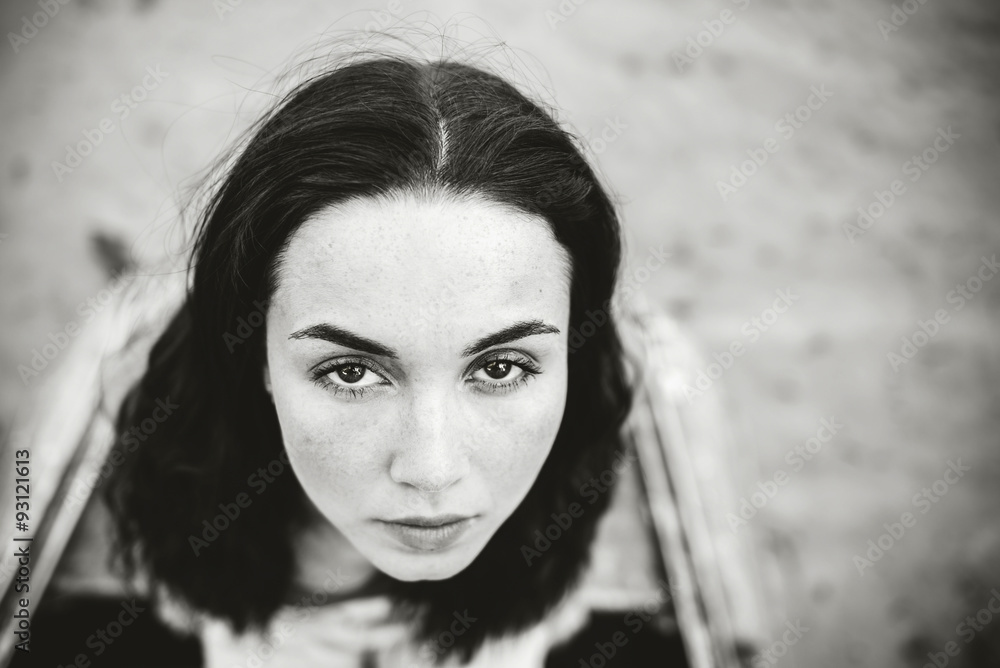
329, 566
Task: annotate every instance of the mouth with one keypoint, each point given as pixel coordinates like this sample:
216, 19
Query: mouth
439, 520
428, 534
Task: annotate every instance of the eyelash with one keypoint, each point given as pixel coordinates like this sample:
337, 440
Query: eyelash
528, 368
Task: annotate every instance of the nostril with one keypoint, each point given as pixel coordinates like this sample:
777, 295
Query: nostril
425, 477
426, 486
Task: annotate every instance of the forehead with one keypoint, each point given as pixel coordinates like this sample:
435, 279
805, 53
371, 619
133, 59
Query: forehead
391, 263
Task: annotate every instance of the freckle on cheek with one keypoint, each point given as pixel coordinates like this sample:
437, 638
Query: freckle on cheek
524, 445
320, 447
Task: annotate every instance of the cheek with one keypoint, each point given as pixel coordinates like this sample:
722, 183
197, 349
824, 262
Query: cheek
512, 443
334, 450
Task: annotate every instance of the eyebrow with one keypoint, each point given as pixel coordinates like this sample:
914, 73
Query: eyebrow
343, 337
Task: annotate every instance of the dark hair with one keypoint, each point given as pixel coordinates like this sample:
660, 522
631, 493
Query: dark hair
369, 128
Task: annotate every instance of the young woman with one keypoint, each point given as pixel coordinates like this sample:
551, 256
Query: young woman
382, 394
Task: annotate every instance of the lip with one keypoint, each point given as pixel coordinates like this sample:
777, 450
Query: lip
435, 521
428, 534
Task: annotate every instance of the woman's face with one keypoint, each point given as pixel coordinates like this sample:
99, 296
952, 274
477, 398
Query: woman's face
416, 354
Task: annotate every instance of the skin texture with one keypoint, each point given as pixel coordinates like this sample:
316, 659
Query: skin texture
426, 276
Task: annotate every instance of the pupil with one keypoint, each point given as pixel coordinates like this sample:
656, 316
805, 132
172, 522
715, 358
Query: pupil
351, 373
498, 369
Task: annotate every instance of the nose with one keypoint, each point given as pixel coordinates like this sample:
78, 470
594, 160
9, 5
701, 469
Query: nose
430, 455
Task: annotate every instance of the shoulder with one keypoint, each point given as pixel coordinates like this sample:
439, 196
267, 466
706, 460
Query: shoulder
304, 637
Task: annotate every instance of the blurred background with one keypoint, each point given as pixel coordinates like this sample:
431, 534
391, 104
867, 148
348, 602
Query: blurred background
823, 176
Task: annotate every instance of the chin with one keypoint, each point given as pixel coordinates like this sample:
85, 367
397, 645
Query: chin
407, 566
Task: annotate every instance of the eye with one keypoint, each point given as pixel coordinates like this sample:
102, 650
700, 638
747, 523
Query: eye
504, 372
353, 374
500, 369
353, 377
